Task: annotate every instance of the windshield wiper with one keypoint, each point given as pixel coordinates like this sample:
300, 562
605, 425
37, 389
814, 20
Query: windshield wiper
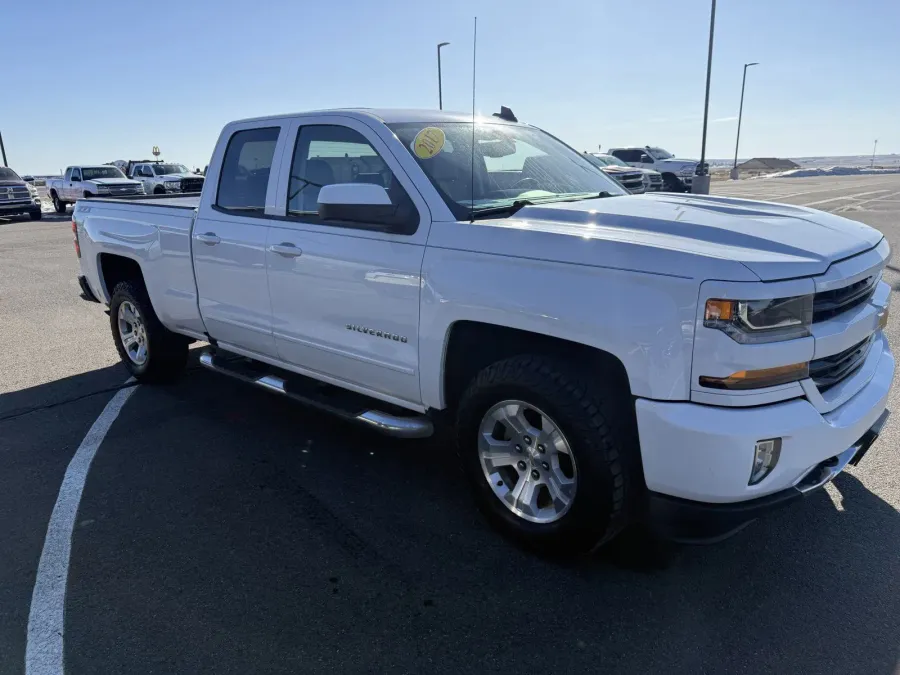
511, 209
506, 209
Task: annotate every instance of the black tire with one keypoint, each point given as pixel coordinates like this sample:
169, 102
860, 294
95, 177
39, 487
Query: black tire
166, 351
159, 190
35, 215
671, 183
596, 428
58, 205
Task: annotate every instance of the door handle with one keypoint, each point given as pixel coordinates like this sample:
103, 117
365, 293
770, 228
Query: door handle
286, 249
209, 238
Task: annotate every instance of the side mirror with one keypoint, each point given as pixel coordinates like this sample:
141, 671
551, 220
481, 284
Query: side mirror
356, 203
646, 159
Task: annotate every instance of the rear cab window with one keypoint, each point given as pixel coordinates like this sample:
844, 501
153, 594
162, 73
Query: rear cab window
244, 177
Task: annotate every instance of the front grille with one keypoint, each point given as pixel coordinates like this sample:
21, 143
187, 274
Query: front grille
630, 180
656, 179
831, 370
828, 304
191, 184
14, 194
119, 190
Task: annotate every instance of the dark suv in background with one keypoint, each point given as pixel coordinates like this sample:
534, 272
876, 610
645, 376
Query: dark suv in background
17, 198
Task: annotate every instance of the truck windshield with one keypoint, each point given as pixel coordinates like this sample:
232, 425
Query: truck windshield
659, 153
8, 174
93, 172
513, 164
609, 159
163, 169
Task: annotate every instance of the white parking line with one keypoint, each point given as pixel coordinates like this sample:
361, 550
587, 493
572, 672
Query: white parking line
845, 197
44, 642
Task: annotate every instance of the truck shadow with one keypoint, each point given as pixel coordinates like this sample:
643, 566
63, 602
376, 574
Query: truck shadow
208, 494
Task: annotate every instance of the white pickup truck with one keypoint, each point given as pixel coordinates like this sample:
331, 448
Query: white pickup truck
161, 178
90, 181
677, 174
602, 359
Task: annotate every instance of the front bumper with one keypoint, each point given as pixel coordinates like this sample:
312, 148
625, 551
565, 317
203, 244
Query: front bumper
704, 453
698, 522
22, 206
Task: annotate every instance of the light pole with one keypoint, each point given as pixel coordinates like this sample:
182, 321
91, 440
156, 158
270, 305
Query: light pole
3, 150
440, 92
700, 184
734, 169
871, 166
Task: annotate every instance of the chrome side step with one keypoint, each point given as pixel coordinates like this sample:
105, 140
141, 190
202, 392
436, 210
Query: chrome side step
350, 406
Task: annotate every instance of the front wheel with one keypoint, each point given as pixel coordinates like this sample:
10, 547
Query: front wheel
671, 183
36, 214
150, 351
548, 467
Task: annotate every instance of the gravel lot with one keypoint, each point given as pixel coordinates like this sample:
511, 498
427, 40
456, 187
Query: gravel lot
224, 530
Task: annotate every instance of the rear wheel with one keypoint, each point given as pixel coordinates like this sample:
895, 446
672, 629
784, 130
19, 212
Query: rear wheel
150, 351
58, 205
548, 468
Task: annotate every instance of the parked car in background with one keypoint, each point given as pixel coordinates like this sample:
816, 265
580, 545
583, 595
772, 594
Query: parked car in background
90, 181
677, 174
652, 180
691, 362
17, 198
160, 178
628, 177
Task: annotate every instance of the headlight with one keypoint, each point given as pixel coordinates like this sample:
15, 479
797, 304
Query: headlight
173, 186
757, 321
646, 179
688, 171
102, 189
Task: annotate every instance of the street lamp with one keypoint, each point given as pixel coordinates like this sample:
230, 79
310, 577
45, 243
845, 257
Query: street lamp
440, 93
700, 184
734, 169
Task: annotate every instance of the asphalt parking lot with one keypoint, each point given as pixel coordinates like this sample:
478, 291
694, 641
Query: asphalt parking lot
224, 530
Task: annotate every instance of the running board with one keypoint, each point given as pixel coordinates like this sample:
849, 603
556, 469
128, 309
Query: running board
330, 399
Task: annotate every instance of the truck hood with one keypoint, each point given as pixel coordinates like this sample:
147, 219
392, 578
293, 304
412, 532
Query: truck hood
179, 176
112, 181
674, 163
12, 183
773, 241
614, 168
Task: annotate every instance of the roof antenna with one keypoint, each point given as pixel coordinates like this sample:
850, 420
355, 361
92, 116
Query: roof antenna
472, 195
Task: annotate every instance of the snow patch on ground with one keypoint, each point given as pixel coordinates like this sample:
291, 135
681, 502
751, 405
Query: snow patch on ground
830, 171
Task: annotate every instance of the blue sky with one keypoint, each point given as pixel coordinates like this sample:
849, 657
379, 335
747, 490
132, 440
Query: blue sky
108, 80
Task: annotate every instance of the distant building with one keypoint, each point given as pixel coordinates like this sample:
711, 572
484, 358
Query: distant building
767, 164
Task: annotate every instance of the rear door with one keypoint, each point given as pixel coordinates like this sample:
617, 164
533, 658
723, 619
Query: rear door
345, 296
229, 238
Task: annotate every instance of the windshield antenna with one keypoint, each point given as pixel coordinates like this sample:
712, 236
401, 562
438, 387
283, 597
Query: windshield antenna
472, 195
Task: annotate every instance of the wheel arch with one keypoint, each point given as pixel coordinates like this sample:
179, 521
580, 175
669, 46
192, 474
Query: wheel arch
114, 268
473, 345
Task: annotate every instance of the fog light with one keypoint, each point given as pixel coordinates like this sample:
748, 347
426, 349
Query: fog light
765, 457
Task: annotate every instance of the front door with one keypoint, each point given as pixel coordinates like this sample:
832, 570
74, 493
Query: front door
345, 296
72, 189
229, 246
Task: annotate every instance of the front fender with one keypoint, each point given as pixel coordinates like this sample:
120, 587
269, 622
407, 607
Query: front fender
645, 320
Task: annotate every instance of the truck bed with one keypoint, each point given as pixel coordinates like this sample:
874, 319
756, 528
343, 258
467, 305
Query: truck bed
191, 201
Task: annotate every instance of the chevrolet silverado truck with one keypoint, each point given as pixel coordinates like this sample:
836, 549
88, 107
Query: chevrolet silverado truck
90, 181
17, 198
162, 178
690, 362
677, 174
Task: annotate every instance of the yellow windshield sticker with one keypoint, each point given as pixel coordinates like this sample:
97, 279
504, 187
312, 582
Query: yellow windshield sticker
428, 142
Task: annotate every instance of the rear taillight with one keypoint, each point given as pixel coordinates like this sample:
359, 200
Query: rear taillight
75, 239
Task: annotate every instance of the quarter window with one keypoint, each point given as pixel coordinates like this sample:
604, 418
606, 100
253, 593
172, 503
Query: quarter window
245, 170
